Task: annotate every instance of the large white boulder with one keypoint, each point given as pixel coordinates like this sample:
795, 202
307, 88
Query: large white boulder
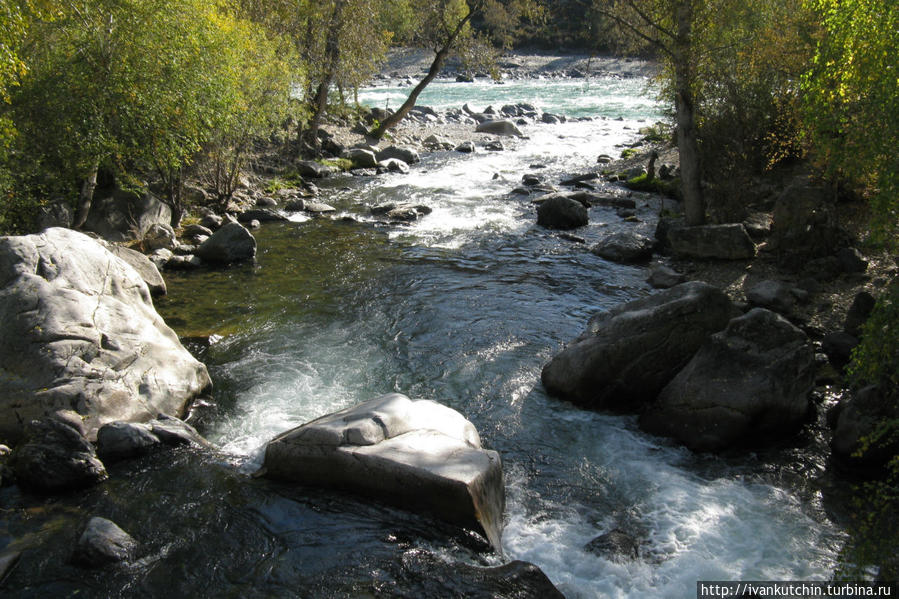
419, 455
80, 333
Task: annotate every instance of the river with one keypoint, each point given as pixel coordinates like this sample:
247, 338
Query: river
463, 307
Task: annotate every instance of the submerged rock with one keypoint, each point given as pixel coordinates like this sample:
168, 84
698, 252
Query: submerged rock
80, 332
615, 545
625, 247
629, 354
747, 384
419, 455
103, 543
122, 440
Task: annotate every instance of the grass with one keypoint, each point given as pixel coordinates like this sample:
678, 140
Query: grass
670, 188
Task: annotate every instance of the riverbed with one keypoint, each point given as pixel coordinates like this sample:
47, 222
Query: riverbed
463, 307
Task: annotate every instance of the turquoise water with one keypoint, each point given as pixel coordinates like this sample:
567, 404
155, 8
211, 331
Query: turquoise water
595, 97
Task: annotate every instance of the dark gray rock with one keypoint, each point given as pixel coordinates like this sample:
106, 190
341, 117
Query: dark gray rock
313, 170
123, 440
119, 215
747, 384
494, 146
466, 147
851, 260
858, 313
758, 225
8, 561
231, 243
361, 158
266, 202
625, 247
630, 353
407, 155
838, 346
615, 545
561, 213
80, 332
211, 221
500, 127
773, 295
263, 215
196, 230
862, 414
723, 242
174, 431
186, 262
56, 457
420, 455
103, 543
663, 277
531, 180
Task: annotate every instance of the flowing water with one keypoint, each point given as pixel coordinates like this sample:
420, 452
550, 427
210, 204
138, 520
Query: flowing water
464, 307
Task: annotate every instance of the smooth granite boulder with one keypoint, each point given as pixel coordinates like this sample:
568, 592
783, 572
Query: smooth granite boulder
747, 384
419, 455
630, 353
144, 266
80, 333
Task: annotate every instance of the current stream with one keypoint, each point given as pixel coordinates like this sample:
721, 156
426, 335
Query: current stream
464, 307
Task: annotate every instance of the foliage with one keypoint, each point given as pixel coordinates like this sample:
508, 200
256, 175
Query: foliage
852, 100
655, 185
875, 361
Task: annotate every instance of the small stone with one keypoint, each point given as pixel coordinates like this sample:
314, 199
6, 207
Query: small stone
103, 543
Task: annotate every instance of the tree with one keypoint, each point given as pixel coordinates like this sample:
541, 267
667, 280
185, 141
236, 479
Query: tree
445, 27
851, 101
122, 83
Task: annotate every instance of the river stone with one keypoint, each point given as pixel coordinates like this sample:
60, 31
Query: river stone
174, 431
500, 127
560, 212
56, 457
466, 147
747, 384
231, 243
773, 295
361, 158
211, 221
123, 440
120, 215
723, 242
395, 165
615, 545
160, 235
80, 333
313, 170
144, 266
263, 215
426, 575
625, 247
630, 353
103, 543
664, 277
419, 455
318, 208
407, 155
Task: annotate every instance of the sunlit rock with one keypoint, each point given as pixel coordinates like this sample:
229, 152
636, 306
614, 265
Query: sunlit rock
420, 455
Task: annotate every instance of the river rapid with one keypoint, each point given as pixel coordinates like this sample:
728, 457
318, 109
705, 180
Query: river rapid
463, 307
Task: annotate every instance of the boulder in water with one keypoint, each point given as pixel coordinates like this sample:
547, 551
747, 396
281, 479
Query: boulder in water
80, 332
407, 155
625, 247
231, 243
629, 354
500, 127
417, 454
560, 212
103, 543
747, 384
56, 457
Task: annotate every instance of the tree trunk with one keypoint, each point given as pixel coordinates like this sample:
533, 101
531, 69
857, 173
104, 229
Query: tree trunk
86, 197
439, 58
685, 117
332, 58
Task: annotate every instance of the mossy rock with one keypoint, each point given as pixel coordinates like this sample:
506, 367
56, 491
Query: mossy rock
342, 164
642, 182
